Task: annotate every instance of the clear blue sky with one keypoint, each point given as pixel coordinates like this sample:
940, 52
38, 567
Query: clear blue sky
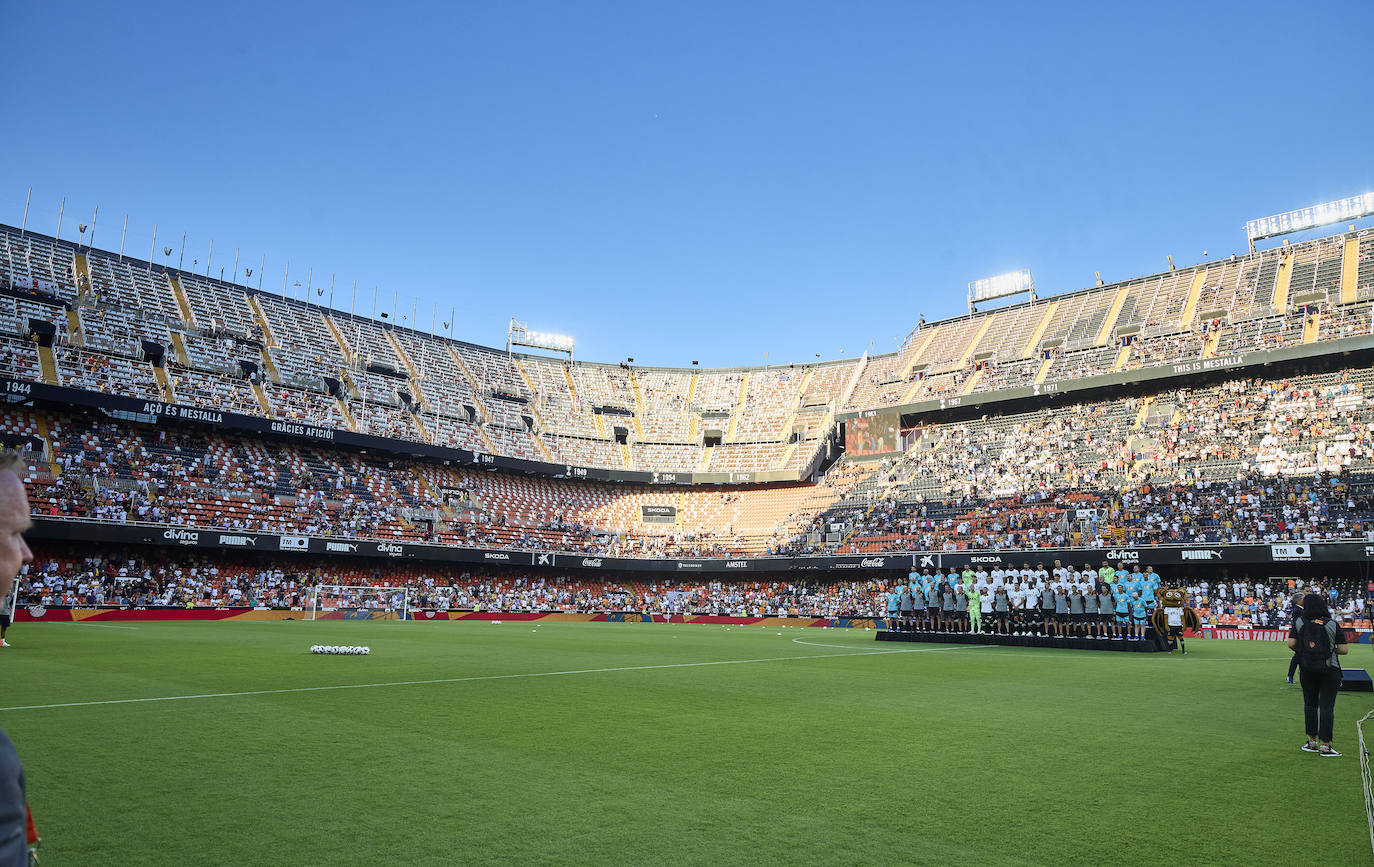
685, 181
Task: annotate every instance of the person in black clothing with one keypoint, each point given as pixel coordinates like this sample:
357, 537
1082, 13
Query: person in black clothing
1318, 642
1294, 612
14, 522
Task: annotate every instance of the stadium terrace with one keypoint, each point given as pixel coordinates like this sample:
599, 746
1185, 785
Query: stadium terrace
1222, 405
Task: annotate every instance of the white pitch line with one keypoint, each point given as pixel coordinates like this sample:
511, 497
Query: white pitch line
83, 623
459, 679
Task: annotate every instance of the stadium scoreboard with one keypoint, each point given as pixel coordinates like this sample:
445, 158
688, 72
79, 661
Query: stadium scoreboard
873, 434
1302, 219
1000, 286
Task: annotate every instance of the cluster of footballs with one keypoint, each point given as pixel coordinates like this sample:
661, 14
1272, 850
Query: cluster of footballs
340, 649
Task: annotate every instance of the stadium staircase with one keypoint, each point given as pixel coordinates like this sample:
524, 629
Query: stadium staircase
1185, 319
967, 355
41, 423
538, 419
735, 413
183, 303
639, 407
415, 389
347, 416
572, 389
75, 336
165, 384
270, 366
694, 422
261, 318
626, 458
338, 337
1032, 345
82, 270
1280, 301
476, 390
916, 352
262, 400
792, 418
1311, 327
1350, 269
48, 365
1210, 343
1122, 356
1044, 371
853, 382
972, 382
704, 464
1104, 334
179, 349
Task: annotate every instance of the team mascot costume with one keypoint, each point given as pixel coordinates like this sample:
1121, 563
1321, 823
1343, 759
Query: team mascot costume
1171, 616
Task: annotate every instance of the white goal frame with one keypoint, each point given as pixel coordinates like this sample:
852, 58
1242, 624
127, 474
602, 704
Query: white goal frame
384, 591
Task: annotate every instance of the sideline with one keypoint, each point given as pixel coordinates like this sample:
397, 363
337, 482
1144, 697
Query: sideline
470, 679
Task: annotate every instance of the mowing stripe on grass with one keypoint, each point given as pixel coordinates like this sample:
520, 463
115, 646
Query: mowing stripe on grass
946, 649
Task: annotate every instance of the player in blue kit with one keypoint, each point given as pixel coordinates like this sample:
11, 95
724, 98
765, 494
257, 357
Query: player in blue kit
894, 603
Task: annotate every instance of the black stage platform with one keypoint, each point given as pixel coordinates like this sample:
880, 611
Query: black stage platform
1149, 645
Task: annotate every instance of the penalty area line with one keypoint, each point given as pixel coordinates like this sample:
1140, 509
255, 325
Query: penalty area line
472, 679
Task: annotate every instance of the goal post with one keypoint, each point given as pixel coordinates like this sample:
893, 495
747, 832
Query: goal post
359, 602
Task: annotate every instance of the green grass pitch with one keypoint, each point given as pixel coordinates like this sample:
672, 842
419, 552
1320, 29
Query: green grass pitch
770, 751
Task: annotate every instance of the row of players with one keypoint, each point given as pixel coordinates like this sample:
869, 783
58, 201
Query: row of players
1097, 603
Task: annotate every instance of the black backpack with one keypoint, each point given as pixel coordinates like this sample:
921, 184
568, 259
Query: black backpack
1314, 646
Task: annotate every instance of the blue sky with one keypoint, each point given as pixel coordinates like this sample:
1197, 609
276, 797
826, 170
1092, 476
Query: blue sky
671, 182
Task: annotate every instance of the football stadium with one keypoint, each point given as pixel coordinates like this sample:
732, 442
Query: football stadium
321, 573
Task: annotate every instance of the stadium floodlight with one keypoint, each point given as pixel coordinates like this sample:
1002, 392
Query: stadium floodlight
520, 335
1324, 214
1001, 286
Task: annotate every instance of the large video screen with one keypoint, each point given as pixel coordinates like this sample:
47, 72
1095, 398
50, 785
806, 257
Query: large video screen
879, 434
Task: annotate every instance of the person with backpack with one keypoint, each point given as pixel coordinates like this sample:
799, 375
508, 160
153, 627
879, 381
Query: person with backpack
1319, 642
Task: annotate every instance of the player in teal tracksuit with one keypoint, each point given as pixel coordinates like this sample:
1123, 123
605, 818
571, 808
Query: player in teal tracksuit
1122, 595
894, 602
1139, 613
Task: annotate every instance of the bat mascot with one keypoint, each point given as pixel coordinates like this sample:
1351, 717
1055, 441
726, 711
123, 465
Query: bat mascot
1172, 615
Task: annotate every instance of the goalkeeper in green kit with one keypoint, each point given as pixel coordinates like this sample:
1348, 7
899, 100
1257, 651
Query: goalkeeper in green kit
975, 608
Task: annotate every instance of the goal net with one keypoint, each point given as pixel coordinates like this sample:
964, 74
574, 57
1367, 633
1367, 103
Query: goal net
358, 602
1364, 774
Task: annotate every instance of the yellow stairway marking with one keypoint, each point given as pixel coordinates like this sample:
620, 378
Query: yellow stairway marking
54, 469
183, 303
539, 441
739, 408
1043, 371
786, 458
420, 426
1311, 327
270, 367
1185, 319
261, 316
263, 402
625, 457
567, 375
347, 416
705, 463
179, 349
639, 407
1121, 358
600, 425
165, 381
1144, 411
47, 364
1104, 334
1210, 343
491, 446
972, 382
693, 421
977, 336
921, 344
472, 381
338, 338
1281, 284
401, 354
1350, 270
83, 274
75, 336
1033, 345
